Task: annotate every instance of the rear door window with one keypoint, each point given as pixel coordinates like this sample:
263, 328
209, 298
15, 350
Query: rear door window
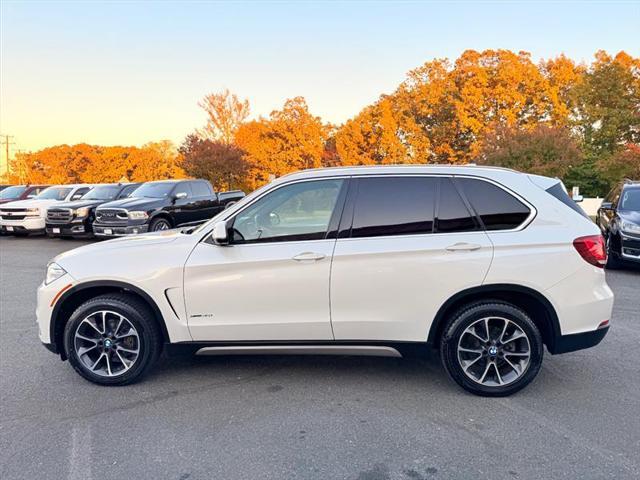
498, 209
183, 187
200, 189
394, 206
453, 214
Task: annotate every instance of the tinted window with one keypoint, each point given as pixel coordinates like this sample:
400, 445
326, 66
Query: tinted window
12, 192
154, 189
183, 187
558, 191
497, 209
200, 189
630, 200
127, 191
453, 215
301, 211
79, 193
54, 193
103, 192
394, 206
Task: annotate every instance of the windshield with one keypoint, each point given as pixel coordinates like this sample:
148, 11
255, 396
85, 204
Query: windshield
54, 193
630, 200
154, 190
12, 192
106, 192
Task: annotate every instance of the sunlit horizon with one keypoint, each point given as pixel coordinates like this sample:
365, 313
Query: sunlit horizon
131, 73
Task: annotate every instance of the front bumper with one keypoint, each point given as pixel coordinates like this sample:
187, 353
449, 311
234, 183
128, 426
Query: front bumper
46, 298
72, 229
27, 225
630, 248
118, 230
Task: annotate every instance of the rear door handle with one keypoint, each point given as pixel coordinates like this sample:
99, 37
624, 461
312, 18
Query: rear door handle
463, 247
309, 257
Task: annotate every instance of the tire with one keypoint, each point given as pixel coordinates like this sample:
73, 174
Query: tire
158, 224
137, 332
613, 257
502, 368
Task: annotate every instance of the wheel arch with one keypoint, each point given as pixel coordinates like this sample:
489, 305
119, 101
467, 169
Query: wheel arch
533, 302
78, 294
162, 214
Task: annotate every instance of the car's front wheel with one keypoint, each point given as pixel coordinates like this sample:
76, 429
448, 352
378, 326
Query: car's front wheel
491, 348
112, 339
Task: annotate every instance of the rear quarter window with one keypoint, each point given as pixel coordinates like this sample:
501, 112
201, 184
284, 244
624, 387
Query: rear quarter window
497, 208
558, 192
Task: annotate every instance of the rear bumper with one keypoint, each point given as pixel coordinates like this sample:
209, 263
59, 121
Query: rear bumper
577, 341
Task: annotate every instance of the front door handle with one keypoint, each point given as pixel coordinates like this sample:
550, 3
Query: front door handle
463, 247
309, 257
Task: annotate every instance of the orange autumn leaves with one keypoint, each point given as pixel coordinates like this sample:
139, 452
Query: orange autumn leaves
97, 164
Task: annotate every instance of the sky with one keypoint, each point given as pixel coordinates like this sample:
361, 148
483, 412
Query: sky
129, 72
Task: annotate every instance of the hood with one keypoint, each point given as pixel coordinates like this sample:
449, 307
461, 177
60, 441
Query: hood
32, 203
129, 243
135, 203
7, 200
80, 203
630, 216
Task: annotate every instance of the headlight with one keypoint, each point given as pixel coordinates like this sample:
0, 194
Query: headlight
81, 212
630, 227
137, 215
54, 272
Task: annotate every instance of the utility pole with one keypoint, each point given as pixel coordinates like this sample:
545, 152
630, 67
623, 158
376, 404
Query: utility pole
6, 142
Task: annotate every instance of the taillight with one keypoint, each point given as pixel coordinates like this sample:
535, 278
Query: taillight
592, 249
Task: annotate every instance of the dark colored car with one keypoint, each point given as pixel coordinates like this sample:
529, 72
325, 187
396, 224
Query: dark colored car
75, 219
162, 205
619, 219
13, 193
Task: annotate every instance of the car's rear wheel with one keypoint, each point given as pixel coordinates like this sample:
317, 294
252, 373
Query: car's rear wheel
491, 348
112, 339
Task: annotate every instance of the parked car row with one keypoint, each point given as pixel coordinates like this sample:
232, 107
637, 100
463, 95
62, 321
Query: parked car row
110, 210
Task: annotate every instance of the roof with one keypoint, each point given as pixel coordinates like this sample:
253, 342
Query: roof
402, 169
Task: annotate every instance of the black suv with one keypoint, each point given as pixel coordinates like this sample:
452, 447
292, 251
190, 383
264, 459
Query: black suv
619, 219
162, 205
75, 219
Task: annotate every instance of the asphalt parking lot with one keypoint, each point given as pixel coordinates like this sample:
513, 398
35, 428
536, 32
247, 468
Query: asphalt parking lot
309, 417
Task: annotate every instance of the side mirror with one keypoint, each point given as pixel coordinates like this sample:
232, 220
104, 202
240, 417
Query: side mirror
76, 196
180, 195
578, 198
606, 206
220, 234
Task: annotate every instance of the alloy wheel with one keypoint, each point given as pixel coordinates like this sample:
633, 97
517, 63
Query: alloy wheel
107, 343
494, 351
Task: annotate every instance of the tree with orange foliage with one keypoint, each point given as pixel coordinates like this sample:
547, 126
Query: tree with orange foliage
225, 113
290, 139
220, 163
85, 163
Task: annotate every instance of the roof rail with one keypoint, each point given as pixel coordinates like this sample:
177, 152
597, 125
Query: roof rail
628, 180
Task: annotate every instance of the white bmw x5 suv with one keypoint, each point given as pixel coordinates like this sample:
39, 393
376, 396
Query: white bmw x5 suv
486, 265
